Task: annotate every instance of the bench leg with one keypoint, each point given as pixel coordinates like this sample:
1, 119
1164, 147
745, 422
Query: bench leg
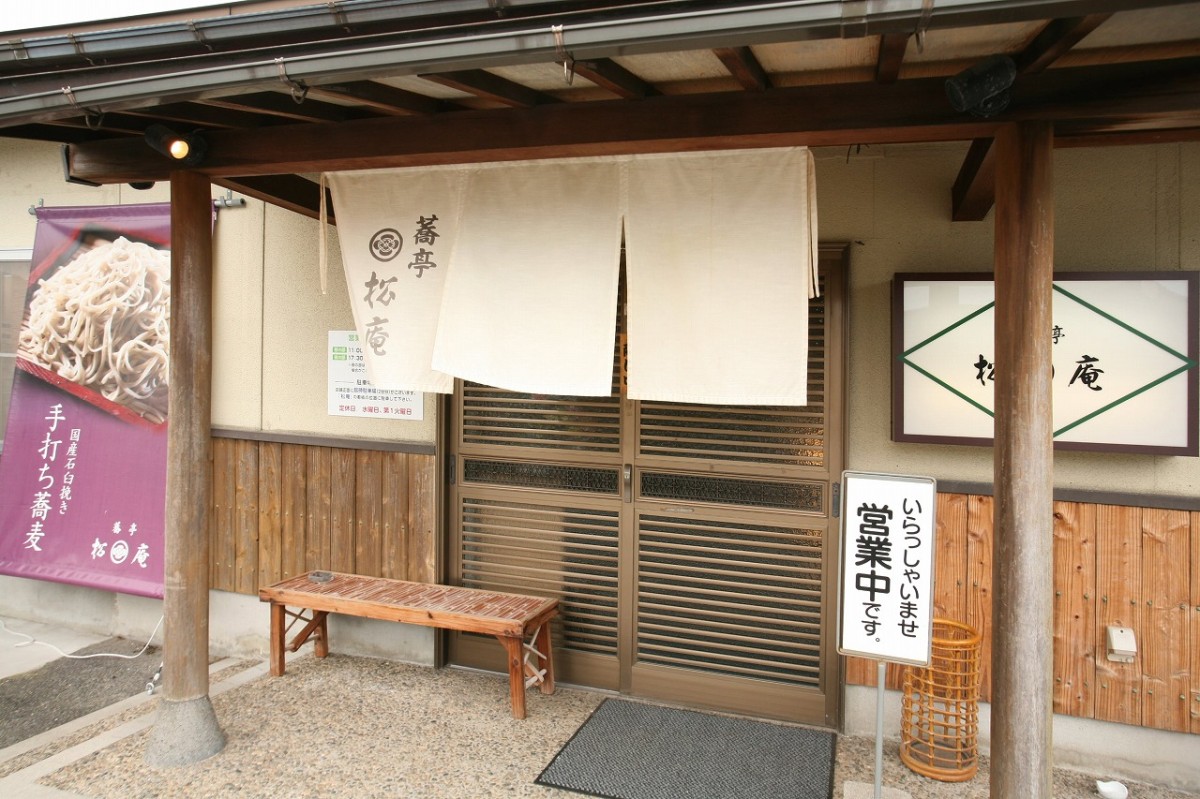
315, 625
321, 647
543, 645
277, 633
514, 648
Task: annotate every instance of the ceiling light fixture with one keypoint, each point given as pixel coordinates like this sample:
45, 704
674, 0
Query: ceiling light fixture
188, 149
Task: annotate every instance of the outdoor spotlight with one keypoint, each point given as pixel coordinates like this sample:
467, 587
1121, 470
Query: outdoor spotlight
983, 89
188, 149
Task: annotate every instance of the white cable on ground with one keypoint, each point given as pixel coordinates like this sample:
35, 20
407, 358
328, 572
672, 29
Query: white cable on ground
33, 640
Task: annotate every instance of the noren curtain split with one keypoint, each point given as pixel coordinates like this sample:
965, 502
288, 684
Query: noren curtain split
506, 274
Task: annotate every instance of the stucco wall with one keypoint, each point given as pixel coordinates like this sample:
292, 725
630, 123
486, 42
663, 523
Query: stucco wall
1124, 208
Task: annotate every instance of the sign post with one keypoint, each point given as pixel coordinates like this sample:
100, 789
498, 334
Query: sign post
886, 596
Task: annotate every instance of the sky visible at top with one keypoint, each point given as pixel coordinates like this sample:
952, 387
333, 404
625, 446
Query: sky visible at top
23, 14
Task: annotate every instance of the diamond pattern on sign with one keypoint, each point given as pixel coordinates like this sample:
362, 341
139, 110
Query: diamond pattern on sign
1111, 365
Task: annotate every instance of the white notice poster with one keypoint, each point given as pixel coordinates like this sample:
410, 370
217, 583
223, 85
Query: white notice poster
888, 525
351, 392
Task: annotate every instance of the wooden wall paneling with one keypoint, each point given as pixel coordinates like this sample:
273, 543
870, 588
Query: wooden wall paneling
1194, 563
860, 671
294, 502
1163, 638
270, 514
368, 515
394, 511
245, 532
950, 553
1074, 608
222, 558
1119, 585
422, 518
342, 470
317, 506
979, 583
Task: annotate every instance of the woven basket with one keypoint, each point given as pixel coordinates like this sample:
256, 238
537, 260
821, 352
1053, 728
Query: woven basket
939, 725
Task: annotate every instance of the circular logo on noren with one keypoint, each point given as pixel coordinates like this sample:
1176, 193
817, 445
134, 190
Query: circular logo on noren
386, 244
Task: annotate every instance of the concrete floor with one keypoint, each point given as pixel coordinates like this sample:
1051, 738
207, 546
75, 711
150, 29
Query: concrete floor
358, 727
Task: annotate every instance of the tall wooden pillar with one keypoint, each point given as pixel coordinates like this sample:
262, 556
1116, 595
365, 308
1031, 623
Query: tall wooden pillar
1022, 570
186, 729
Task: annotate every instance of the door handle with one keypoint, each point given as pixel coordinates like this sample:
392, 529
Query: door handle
627, 482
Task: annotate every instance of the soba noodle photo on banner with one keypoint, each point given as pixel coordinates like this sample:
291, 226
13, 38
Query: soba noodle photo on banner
83, 471
101, 322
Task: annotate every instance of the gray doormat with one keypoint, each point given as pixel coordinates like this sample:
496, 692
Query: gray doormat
629, 750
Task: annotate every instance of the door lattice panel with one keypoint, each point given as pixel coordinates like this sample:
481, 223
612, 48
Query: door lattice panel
784, 436
735, 599
550, 550
495, 417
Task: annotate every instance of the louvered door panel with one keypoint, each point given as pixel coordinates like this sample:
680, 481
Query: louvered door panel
559, 547
522, 423
731, 599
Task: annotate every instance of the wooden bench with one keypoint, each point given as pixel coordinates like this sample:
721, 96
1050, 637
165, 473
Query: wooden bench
521, 623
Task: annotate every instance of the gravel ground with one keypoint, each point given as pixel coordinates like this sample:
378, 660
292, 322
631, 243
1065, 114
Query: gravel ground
67, 688
356, 727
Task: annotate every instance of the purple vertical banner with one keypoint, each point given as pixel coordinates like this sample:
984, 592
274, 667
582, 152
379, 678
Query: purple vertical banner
83, 471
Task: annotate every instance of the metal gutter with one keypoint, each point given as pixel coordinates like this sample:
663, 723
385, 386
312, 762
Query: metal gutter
343, 17
317, 21
645, 27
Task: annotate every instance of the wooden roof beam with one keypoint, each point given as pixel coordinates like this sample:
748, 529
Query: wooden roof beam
1087, 99
380, 97
975, 184
891, 55
1054, 41
283, 105
205, 116
292, 192
744, 67
974, 189
608, 74
482, 83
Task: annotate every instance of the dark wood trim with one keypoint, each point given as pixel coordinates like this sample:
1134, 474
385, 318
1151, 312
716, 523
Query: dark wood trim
292, 192
1107, 99
482, 83
283, 105
1055, 40
608, 74
974, 189
744, 67
380, 97
892, 47
208, 116
371, 445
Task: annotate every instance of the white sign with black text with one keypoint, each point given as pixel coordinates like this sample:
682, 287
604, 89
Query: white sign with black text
888, 525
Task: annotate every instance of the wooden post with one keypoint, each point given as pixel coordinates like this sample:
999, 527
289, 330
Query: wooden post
186, 730
1022, 567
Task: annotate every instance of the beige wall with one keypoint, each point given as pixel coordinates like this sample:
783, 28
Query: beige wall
1122, 208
